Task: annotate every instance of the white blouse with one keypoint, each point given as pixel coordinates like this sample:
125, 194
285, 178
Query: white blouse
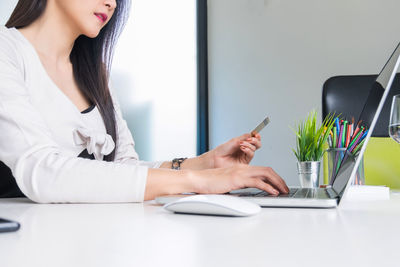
42, 133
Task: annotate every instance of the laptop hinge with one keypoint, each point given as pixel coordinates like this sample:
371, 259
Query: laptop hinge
331, 192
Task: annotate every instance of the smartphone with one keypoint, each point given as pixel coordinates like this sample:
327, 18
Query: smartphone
8, 226
260, 126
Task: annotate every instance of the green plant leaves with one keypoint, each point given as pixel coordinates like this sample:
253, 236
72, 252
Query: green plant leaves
310, 138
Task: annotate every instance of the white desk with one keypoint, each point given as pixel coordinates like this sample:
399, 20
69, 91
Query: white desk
145, 235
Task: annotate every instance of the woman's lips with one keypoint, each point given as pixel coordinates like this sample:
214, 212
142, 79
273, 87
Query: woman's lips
101, 16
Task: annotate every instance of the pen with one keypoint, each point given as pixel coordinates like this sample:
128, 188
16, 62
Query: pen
344, 134
364, 135
339, 141
330, 141
351, 130
337, 126
357, 140
356, 130
334, 137
355, 137
339, 162
358, 147
348, 134
333, 175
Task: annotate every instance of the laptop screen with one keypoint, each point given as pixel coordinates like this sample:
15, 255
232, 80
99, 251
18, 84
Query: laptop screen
367, 118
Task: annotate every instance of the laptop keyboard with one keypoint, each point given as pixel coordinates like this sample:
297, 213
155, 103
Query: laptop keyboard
293, 193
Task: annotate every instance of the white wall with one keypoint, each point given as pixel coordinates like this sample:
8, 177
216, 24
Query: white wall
154, 74
271, 57
6, 8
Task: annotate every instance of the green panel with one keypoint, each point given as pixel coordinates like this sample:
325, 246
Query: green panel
382, 162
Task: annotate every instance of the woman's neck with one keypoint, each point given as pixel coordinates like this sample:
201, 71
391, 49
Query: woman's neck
52, 36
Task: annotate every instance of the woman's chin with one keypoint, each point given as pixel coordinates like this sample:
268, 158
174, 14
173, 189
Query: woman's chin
92, 33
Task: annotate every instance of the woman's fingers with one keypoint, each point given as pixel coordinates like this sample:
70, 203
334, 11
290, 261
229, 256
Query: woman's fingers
249, 153
248, 145
260, 184
283, 183
255, 141
270, 176
222, 180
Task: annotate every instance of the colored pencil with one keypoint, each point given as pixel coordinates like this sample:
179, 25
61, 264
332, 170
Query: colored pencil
348, 134
334, 136
344, 134
339, 141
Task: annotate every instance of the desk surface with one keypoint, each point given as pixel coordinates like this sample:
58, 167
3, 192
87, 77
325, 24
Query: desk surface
146, 235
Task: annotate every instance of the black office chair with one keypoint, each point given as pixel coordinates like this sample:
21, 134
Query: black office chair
346, 95
8, 186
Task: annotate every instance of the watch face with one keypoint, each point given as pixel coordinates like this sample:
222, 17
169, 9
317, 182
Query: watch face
176, 163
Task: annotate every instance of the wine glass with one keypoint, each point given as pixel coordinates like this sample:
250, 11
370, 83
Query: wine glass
394, 123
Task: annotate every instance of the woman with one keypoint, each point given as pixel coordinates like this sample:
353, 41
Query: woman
62, 133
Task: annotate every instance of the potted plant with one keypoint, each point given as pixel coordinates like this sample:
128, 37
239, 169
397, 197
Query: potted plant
310, 140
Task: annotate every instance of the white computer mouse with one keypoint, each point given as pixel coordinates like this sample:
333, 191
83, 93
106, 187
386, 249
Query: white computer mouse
213, 205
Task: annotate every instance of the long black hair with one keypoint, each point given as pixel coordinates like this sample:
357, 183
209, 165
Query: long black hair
91, 58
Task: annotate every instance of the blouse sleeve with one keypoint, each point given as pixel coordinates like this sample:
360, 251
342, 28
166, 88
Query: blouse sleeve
125, 151
44, 172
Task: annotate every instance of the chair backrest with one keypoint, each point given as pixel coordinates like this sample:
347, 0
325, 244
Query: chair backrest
347, 95
8, 185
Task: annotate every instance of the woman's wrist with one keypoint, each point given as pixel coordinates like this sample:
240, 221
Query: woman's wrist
204, 161
208, 159
168, 182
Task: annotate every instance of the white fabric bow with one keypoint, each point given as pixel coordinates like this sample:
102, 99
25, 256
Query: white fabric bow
99, 144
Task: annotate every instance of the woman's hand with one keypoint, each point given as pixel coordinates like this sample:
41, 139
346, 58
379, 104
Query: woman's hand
213, 181
239, 150
223, 180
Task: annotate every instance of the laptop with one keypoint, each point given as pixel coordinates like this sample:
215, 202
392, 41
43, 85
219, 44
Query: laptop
331, 196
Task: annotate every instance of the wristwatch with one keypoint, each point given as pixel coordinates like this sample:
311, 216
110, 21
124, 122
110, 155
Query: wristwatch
176, 163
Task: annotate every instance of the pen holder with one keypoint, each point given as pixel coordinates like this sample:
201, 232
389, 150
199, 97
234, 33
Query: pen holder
334, 157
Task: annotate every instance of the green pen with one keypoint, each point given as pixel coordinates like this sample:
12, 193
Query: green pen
355, 138
334, 137
339, 162
358, 147
344, 133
